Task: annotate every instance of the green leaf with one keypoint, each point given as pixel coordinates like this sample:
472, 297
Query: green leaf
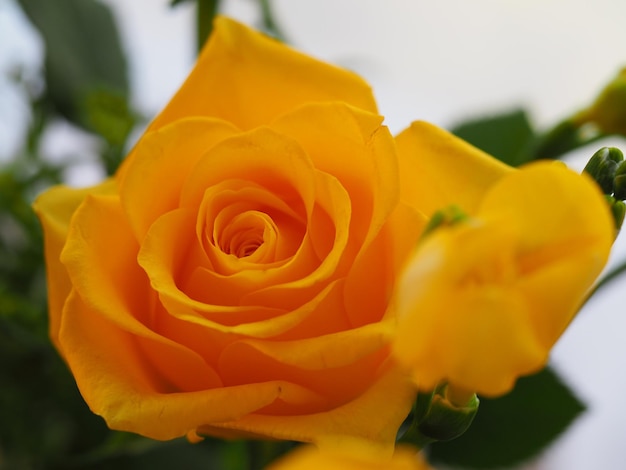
513, 428
83, 53
505, 136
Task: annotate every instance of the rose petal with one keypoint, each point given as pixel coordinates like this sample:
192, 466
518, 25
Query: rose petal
55, 209
438, 169
159, 165
117, 385
371, 279
99, 256
250, 361
261, 156
352, 145
329, 351
332, 207
165, 250
356, 419
225, 203
248, 79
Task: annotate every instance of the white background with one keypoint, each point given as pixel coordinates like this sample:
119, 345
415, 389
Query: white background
439, 61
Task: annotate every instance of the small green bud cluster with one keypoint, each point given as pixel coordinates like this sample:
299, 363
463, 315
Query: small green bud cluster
608, 168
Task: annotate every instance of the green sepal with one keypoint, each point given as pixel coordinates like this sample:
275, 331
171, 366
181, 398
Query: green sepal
436, 418
448, 216
512, 428
445, 420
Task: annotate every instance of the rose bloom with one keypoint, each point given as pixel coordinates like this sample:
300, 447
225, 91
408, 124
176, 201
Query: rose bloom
233, 278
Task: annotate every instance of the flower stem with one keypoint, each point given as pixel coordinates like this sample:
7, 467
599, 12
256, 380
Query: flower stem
262, 453
206, 11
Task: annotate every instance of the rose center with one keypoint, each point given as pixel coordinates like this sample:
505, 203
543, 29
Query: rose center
247, 233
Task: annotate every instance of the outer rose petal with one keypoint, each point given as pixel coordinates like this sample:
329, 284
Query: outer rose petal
55, 209
483, 302
438, 169
116, 383
248, 79
357, 419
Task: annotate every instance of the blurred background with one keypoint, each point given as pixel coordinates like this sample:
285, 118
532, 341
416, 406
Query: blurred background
446, 62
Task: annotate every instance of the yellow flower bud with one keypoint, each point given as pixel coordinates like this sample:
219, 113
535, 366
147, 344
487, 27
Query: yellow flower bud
483, 301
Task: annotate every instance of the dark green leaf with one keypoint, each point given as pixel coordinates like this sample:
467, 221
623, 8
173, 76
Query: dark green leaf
83, 53
505, 136
173, 3
513, 428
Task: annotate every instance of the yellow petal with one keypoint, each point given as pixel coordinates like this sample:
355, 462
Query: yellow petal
55, 209
160, 163
354, 147
326, 351
254, 361
565, 237
482, 302
249, 79
438, 169
115, 382
461, 319
350, 455
100, 256
356, 419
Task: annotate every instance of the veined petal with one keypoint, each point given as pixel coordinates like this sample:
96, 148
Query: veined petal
438, 169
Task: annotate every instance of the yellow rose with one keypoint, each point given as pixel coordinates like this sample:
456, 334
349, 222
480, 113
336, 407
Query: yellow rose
233, 278
482, 302
350, 457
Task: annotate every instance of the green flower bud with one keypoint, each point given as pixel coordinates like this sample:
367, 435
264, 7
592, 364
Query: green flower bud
618, 209
603, 165
608, 112
619, 182
445, 419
